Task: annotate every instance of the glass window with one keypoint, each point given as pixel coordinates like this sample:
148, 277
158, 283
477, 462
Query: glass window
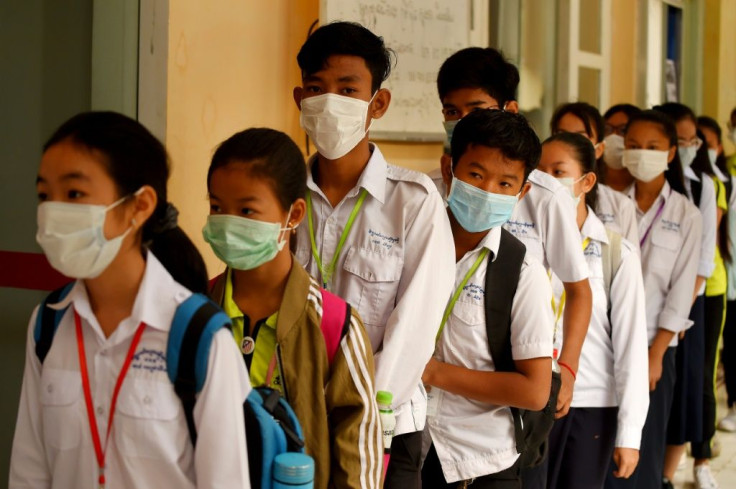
590, 26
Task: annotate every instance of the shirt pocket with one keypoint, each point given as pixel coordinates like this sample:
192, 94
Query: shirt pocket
150, 420
62, 417
666, 248
466, 331
379, 275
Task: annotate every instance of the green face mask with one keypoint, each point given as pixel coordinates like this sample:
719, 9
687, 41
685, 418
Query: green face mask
242, 243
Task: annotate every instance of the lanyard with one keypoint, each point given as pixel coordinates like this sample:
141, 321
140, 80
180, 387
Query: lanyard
456, 295
651, 224
326, 273
99, 452
558, 309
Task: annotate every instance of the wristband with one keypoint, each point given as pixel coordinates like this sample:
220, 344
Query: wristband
569, 369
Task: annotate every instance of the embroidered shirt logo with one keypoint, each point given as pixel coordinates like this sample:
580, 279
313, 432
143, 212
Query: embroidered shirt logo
520, 228
668, 225
379, 239
149, 360
593, 249
474, 292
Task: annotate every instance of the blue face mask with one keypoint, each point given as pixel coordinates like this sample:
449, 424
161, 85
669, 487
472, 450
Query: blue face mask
477, 210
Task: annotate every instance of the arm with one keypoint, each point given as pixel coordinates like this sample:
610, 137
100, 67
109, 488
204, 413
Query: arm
709, 231
355, 427
224, 462
28, 466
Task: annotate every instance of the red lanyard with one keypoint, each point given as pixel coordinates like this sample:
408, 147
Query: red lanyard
99, 452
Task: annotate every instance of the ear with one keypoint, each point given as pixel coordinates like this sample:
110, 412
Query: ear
588, 181
525, 189
671, 155
512, 106
380, 103
446, 169
297, 93
144, 206
298, 212
599, 149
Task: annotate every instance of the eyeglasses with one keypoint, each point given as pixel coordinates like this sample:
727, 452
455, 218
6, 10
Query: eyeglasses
609, 129
695, 142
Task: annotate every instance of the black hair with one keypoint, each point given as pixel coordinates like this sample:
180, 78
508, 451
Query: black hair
678, 112
673, 174
508, 132
589, 115
483, 68
269, 154
346, 38
583, 152
133, 157
628, 109
705, 122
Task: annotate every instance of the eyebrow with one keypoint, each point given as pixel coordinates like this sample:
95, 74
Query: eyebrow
243, 199
66, 177
474, 103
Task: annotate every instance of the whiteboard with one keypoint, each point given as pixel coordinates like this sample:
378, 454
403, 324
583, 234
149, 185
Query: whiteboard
422, 33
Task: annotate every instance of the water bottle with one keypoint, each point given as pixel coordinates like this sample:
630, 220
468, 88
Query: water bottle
293, 470
388, 424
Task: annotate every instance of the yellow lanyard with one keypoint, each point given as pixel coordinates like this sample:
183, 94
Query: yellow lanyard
326, 273
456, 295
557, 309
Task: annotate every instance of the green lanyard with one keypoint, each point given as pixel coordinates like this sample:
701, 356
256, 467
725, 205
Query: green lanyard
456, 295
327, 273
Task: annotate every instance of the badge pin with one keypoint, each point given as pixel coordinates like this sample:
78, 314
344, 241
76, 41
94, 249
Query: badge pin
248, 345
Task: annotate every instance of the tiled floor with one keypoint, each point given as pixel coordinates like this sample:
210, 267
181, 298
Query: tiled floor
723, 466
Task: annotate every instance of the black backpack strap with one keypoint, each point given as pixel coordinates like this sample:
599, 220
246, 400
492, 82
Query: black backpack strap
47, 321
696, 187
502, 278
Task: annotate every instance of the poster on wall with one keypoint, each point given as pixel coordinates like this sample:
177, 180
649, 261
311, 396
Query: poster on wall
670, 81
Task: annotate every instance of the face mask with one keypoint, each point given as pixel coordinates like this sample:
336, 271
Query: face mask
449, 129
712, 156
614, 151
477, 210
73, 239
645, 164
242, 243
732, 135
687, 155
335, 123
569, 183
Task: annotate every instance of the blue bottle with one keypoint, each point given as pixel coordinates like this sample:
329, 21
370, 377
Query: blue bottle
292, 470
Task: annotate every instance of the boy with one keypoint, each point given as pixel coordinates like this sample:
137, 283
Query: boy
377, 235
472, 432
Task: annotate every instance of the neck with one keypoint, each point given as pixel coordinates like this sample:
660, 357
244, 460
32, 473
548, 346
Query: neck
647, 192
337, 177
259, 292
112, 294
618, 179
582, 212
464, 240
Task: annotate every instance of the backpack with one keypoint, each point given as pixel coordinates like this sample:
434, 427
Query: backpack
193, 327
531, 428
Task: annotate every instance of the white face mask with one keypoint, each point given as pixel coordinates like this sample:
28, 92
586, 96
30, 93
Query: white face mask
569, 183
73, 239
732, 135
712, 156
645, 164
687, 155
335, 123
614, 151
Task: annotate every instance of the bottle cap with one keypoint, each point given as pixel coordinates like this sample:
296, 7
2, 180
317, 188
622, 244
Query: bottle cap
293, 468
384, 397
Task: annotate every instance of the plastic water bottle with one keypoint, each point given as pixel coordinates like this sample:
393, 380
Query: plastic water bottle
388, 424
292, 470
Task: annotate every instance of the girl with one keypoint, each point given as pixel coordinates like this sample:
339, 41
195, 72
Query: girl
115, 420
613, 173
256, 184
670, 229
612, 208
610, 402
687, 416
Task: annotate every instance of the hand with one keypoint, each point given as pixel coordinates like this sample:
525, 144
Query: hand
655, 369
626, 459
681, 336
564, 399
429, 370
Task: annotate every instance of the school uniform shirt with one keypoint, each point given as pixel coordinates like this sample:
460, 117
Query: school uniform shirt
731, 266
396, 268
474, 438
669, 257
149, 445
617, 213
614, 354
707, 206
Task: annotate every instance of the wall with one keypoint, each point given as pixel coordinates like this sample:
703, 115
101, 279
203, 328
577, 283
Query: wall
624, 22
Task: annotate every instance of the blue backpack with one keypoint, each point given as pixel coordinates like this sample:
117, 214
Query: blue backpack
271, 425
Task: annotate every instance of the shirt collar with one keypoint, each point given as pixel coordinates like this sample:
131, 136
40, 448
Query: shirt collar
373, 178
663, 194
491, 242
593, 228
689, 173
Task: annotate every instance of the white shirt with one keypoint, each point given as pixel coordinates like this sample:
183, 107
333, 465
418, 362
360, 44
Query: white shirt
615, 351
474, 438
669, 260
618, 213
396, 268
707, 207
149, 444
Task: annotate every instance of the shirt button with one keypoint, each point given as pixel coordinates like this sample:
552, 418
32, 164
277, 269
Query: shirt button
50, 388
147, 400
100, 411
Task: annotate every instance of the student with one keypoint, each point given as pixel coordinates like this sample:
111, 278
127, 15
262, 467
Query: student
470, 425
614, 209
670, 229
256, 184
377, 235
610, 402
480, 78
613, 173
731, 162
103, 219
686, 418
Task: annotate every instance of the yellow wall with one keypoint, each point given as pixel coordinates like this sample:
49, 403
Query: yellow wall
624, 21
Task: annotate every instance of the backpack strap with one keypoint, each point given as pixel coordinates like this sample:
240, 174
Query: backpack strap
502, 279
335, 322
47, 321
195, 323
611, 256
